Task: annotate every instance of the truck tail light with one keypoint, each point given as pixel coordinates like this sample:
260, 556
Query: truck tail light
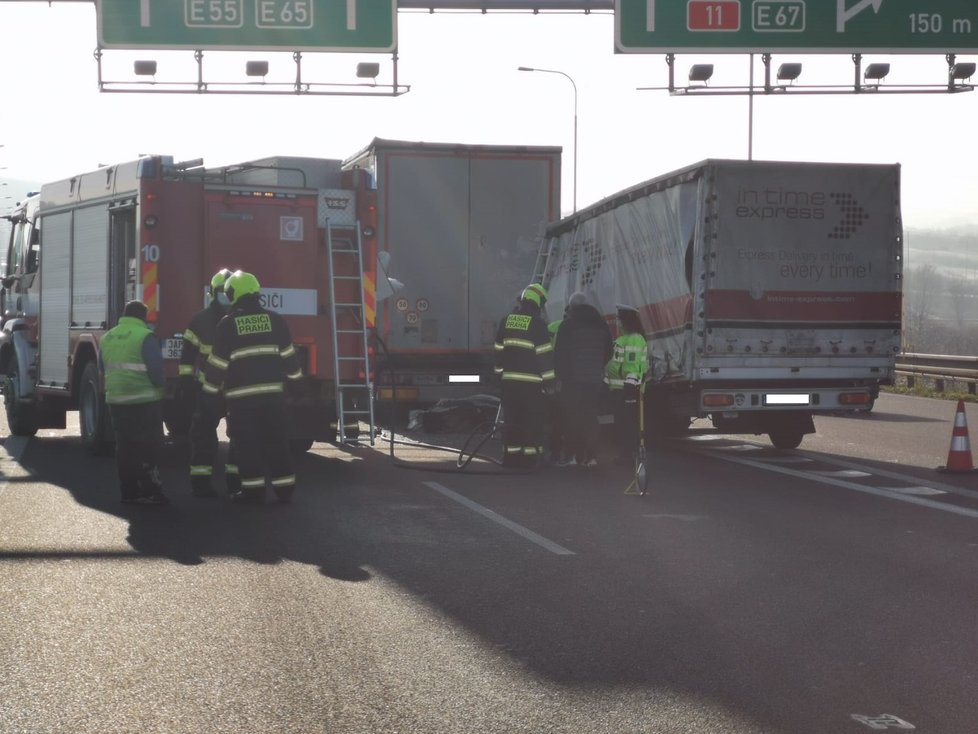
855, 398
718, 400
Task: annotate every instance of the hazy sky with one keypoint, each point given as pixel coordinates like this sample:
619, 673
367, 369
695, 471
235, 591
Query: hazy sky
465, 88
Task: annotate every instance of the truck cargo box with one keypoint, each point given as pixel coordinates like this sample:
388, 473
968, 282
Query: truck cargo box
769, 290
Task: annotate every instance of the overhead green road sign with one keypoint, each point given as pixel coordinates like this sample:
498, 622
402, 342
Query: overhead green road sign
810, 26
294, 25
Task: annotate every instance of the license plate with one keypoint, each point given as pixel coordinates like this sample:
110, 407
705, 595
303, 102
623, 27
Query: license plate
787, 399
172, 348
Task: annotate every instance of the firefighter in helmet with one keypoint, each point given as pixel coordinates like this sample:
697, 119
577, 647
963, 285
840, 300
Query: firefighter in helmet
252, 359
524, 362
198, 340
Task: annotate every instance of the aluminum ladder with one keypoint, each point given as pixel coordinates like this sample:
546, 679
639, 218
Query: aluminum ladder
351, 354
543, 260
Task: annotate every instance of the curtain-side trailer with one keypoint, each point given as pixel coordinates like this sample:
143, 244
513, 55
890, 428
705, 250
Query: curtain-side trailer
770, 292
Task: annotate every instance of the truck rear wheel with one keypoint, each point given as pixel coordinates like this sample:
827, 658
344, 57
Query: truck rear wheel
786, 438
20, 414
93, 414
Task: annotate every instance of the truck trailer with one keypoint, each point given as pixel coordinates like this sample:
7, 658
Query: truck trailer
770, 292
156, 230
460, 227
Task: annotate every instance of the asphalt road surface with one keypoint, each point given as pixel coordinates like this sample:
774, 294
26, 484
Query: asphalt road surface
827, 589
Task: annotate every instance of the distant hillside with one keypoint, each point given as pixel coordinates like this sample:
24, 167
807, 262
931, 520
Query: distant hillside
953, 252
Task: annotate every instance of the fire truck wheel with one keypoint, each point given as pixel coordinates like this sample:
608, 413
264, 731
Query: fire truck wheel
93, 414
20, 415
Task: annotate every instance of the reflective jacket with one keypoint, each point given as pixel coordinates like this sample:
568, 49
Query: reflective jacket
629, 361
128, 379
524, 352
252, 355
198, 340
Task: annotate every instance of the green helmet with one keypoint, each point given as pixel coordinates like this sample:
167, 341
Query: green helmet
241, 284
535, 293
218, 282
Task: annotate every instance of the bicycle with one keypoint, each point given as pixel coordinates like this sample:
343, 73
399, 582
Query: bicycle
478, 438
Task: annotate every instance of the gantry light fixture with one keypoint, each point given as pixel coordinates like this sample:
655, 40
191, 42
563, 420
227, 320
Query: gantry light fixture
700, 72
876, 72
144, 67
256, 68
257, 71
789, 72
963, 71
958, 80
368, 70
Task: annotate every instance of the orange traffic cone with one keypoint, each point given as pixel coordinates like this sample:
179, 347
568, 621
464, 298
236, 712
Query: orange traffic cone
959, 455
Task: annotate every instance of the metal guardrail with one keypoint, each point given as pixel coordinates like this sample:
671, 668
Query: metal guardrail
940, 368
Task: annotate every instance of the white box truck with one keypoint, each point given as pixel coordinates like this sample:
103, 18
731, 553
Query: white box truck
770, 292
460, 226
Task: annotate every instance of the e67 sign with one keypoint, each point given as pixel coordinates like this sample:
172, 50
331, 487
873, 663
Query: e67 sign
812, 26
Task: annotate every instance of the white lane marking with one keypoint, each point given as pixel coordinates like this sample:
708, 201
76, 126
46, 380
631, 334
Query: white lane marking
851, 473
914, 490
878, 492
497, 518
787, 460
950, 488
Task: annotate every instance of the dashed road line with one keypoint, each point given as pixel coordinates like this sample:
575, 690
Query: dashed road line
499, 519
876, 491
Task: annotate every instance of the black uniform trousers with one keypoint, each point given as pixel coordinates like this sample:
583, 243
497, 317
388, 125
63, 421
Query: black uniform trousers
138, 446
626, 420
260, 440
208, 412
579, 411
524, 417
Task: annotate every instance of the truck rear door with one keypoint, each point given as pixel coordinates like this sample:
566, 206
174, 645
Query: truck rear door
804, 261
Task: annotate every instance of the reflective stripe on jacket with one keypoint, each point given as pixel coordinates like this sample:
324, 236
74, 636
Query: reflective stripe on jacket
524, 352
629, 359
198, 340
253, 353
127, 379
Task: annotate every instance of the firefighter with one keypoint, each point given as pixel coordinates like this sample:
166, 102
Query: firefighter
624, 375
252, 359
198, 339
524, 362
132, 361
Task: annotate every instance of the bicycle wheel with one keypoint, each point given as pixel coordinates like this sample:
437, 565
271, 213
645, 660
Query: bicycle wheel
480, 435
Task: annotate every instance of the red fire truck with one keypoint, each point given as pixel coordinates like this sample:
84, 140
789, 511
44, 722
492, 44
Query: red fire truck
156, 230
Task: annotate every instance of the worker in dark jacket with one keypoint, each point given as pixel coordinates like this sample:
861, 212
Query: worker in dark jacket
132, 361
524, 362
198, 340
583, 348
252, 359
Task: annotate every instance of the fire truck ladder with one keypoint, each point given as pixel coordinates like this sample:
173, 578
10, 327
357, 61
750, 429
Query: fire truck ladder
351, 358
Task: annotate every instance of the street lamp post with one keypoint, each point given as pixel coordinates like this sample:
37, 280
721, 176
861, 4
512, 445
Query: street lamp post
568, 77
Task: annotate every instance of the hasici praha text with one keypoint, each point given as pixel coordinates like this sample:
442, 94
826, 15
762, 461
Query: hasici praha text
518, 321
255, 323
